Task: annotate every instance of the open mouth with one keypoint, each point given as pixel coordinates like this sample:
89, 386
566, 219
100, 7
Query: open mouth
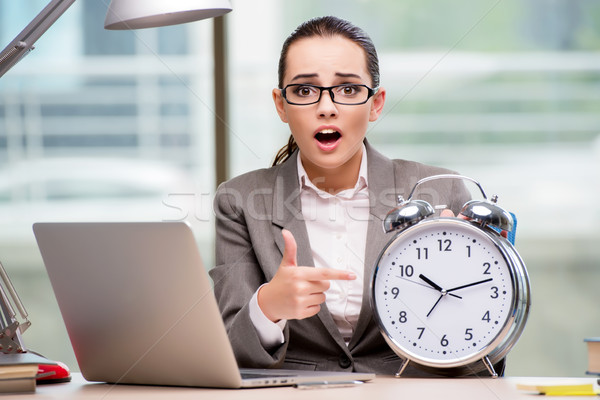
327, 136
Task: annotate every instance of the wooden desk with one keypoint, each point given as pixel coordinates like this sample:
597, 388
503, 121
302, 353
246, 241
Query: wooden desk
382, 388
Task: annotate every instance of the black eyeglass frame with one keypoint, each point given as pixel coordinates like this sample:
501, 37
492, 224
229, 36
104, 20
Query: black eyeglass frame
370, 93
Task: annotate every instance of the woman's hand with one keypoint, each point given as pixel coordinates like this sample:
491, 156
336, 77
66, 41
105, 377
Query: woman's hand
296, 292
448, 213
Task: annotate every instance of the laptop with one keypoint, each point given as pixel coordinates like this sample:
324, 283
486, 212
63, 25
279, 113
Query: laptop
139, 308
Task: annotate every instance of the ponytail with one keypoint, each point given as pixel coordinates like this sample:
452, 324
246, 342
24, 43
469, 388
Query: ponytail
286, 151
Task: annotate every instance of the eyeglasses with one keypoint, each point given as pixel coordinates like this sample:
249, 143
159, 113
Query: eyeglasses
348, 94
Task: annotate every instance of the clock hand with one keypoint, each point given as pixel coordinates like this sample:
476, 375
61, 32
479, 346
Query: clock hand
431, 283
469, 284
436, 303
415, 282
436, 287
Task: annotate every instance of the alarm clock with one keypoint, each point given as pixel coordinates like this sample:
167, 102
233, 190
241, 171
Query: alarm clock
451, 295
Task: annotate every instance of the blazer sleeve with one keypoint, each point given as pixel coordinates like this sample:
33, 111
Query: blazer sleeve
236, 276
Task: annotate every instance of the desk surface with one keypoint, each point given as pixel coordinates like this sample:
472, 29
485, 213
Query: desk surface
382, 388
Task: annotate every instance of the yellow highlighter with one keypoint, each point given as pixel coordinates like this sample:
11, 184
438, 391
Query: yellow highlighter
561, 390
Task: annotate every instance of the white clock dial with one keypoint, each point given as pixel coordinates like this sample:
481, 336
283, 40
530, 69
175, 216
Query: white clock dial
443, 292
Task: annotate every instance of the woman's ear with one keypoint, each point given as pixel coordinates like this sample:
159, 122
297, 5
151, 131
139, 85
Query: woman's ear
279, 104
377, 104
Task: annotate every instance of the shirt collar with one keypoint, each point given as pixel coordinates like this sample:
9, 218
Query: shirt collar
361, 182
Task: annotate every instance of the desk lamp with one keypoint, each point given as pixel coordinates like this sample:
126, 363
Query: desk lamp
122, 14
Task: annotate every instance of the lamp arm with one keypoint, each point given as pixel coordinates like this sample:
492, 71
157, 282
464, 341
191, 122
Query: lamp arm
24, 42
10, 327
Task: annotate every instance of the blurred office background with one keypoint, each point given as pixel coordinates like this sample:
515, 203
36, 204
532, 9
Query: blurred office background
101, 125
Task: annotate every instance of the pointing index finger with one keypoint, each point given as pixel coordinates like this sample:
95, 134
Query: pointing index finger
322, 274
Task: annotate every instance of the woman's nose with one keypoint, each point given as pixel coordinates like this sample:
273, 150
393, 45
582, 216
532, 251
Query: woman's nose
326, 106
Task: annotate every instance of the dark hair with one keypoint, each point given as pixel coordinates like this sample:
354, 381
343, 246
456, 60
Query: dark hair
326, 27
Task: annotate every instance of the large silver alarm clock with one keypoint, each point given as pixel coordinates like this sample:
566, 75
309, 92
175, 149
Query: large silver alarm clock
451, 295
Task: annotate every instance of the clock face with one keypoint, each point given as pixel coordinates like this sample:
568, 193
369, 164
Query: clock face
443, 292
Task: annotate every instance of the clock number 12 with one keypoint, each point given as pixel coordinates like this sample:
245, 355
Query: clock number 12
444, 245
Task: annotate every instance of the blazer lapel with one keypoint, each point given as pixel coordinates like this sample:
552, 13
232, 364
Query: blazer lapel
287, 211
287, 214
382, 198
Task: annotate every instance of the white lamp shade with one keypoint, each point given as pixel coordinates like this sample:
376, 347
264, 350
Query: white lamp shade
137, 14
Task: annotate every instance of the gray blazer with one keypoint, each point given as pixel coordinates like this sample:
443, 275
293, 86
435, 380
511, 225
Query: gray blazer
252, 209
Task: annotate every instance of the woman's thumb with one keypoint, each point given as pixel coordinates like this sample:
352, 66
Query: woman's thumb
289, 252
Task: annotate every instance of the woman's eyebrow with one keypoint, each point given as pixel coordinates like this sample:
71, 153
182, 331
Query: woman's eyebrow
304, 76
315, 75
348, 75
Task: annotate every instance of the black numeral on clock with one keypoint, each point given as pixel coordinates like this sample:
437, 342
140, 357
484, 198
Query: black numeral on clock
420, 333
444, 245
486, 316
407, 270
469, 334
402, 318
487, 267
444, 342
494, 294
422, 253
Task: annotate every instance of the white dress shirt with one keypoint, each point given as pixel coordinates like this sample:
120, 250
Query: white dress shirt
337, 231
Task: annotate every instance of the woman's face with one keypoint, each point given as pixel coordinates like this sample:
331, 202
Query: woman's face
329, 135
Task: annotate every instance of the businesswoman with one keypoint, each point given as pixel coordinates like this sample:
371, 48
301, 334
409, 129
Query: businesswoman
296, 243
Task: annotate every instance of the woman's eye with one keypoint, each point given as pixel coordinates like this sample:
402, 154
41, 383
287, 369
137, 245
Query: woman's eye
304, 91
349, 90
